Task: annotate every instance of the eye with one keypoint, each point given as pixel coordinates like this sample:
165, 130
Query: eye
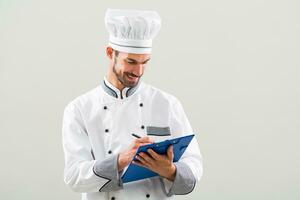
130, 62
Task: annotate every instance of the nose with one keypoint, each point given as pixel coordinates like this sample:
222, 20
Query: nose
138, 70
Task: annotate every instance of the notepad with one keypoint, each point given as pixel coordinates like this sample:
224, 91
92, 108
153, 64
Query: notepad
135, 172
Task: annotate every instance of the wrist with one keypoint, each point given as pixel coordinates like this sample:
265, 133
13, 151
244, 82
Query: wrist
121, 162
172, 174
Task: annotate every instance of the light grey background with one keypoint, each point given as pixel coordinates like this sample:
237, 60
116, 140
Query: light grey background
233, 64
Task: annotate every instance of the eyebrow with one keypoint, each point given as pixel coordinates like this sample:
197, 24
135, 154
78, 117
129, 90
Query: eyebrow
133, 60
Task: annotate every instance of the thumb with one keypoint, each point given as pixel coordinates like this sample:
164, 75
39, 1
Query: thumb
170, 152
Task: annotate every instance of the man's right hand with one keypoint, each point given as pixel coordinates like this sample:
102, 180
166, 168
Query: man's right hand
126, 156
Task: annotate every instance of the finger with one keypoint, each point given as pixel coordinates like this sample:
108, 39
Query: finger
145, 139
140, 144
141, 164
136, 162
153, 154
145, 157
142, 141
141, 160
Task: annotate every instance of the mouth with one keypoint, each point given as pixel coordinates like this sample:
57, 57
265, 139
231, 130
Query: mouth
132, 77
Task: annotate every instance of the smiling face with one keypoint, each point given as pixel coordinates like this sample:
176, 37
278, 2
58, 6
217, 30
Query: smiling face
126, 68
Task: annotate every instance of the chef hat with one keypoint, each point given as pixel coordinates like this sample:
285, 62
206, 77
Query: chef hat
132, 31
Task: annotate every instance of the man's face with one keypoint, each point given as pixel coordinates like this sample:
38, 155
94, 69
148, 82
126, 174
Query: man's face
129, 68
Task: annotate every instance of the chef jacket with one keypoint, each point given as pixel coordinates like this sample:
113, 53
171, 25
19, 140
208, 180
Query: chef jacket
97, 126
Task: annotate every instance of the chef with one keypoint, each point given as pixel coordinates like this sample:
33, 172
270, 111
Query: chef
98, 125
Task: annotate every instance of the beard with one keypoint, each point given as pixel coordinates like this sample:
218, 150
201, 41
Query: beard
125, 79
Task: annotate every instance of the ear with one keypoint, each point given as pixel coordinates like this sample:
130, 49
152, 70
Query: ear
109, 52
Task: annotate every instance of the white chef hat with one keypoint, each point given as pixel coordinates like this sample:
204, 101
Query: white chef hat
132, 31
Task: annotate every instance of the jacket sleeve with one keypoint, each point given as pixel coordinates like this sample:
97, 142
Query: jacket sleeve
189, 168
82, 173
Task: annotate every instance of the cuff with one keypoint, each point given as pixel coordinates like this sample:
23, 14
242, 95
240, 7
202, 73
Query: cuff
184, 181
108, 169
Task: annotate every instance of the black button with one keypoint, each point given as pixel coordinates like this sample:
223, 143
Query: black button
106, 130
147, 195
141, 104
113, 198
142, 127
105, 107
109, 152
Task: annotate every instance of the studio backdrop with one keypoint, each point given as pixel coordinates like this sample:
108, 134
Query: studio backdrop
234, 65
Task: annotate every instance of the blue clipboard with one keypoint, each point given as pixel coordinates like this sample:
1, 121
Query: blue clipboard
135, 172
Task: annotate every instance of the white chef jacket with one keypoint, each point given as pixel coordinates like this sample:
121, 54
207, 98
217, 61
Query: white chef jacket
97, 126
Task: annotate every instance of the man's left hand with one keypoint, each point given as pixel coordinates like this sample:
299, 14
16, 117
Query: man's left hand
161, 164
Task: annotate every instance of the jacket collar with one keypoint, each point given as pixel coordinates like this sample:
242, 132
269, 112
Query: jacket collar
115, 92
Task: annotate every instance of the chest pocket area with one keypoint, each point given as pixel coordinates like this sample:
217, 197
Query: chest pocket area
158, 131
158, 134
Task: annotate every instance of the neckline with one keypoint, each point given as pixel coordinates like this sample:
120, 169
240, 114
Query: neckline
115, 92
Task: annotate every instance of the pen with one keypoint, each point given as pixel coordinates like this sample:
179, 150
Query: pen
135, 135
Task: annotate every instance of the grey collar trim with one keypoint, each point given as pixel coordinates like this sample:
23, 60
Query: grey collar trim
114, 92
108, 90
